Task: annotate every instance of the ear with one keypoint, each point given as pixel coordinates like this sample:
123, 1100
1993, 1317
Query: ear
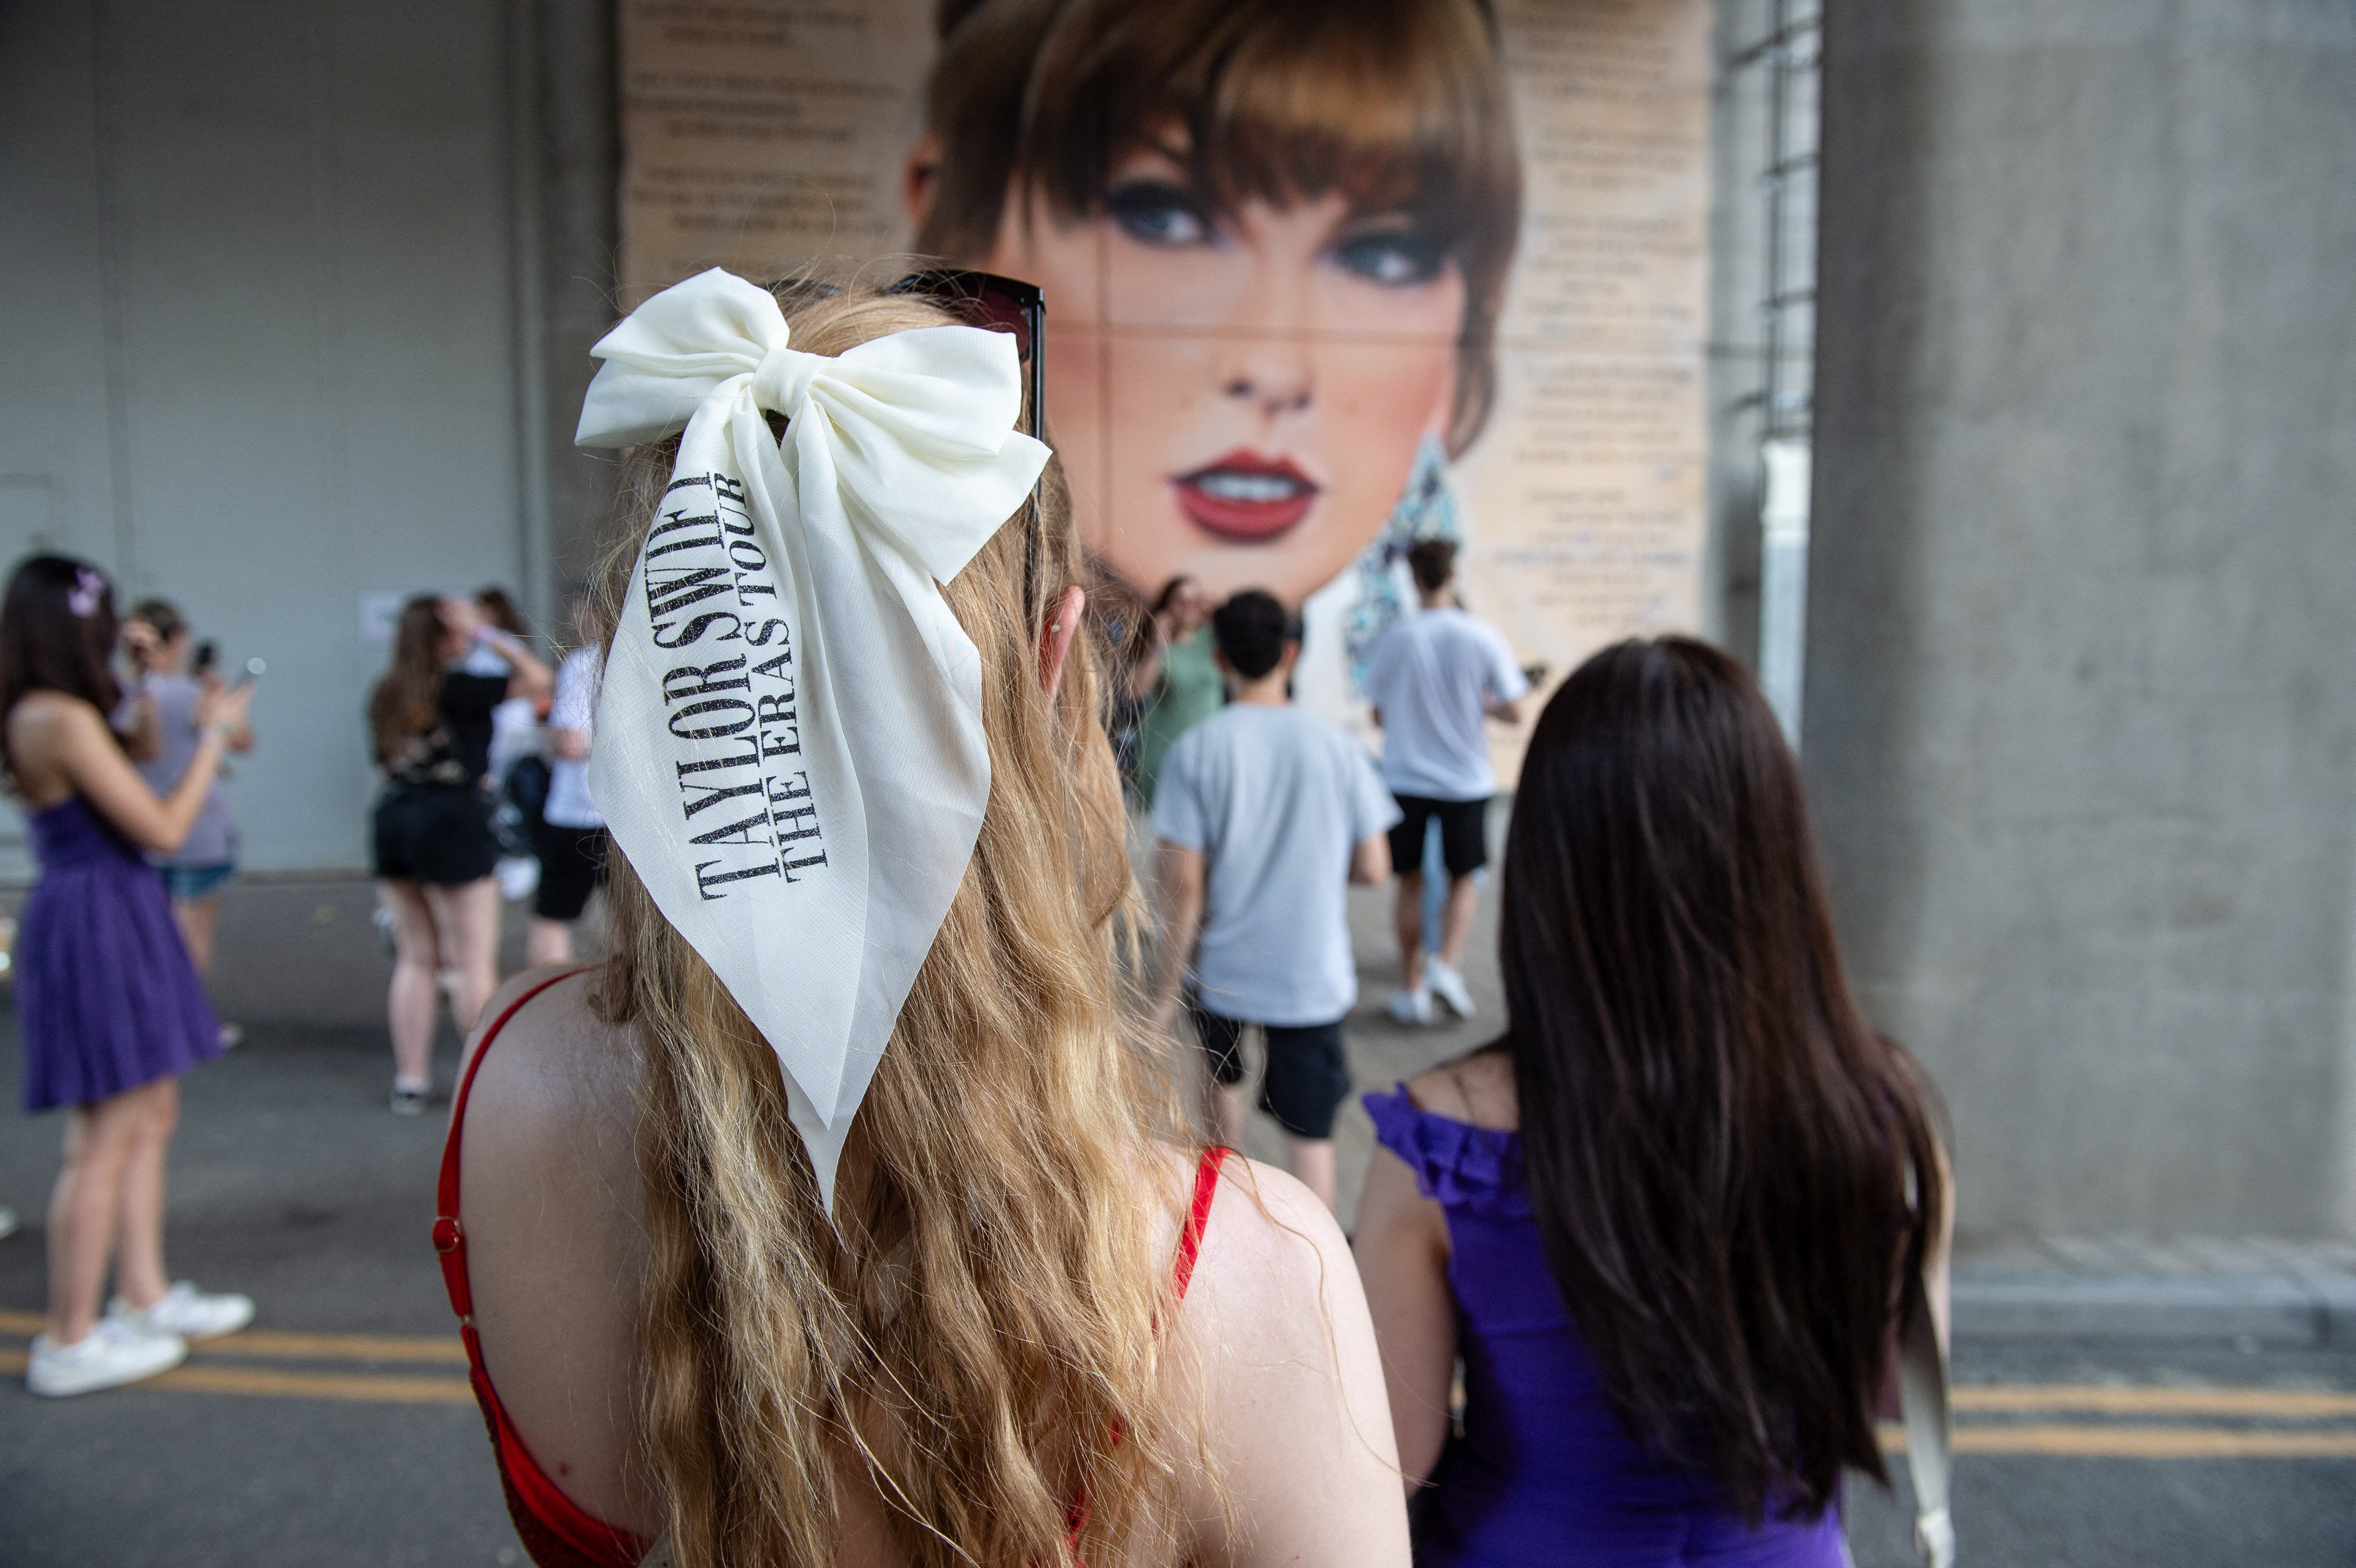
1063, 625
918, 176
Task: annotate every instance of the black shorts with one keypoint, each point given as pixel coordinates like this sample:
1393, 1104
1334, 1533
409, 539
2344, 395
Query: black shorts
436, 834
572, 867
1308, 1074
1463, 833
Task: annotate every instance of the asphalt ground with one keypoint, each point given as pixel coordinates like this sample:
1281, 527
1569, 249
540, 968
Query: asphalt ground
340, 1430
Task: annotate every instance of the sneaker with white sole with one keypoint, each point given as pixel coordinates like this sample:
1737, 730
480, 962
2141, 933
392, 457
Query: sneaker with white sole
112, 1353
1447, 983
408, 1101
187, 1312
1411, 1007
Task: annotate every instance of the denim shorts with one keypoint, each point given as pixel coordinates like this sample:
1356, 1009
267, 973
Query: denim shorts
186, 884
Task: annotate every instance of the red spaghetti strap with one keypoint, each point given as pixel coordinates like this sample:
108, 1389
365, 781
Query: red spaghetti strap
1206, 1188
449, 1238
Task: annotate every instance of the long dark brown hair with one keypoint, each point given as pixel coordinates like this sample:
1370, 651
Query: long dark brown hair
1733, 1177
407, 702
57, 634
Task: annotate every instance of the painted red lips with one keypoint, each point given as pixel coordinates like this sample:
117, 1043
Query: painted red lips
1245, 496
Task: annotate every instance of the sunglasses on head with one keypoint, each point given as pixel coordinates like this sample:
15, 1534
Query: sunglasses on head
1020, 309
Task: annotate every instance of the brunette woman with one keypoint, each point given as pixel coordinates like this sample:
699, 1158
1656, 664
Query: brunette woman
1178, 681
430, 719
111, 1008
1030, 1331
1672, 1219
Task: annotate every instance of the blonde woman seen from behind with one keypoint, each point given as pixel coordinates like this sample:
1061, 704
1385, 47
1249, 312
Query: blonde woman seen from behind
1035, 1331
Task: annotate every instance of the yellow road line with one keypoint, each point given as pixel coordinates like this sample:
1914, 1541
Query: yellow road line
2139, 1442
282, 1344
268, 1383
2156, 1443
316, 1385
2105, 1400
211, 1374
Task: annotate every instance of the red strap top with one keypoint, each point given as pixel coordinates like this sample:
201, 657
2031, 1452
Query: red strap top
553, 1528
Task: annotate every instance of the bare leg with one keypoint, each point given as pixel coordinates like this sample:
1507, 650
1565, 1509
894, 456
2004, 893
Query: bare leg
1456, 919
416, 990
100, 1141
546, 942
1407, 918
1311, 1159
1226, 1104
467, 925
139, 1275
197, 920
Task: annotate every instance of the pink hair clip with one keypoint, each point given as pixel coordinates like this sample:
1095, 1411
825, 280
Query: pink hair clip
83, 596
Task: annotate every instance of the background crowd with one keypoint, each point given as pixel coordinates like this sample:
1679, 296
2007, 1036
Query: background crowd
118, 729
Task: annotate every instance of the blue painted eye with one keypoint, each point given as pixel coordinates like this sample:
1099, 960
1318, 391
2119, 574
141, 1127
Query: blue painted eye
1155, 212
1393, 258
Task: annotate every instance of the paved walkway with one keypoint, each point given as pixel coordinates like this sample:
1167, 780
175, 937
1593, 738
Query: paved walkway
2096, 1428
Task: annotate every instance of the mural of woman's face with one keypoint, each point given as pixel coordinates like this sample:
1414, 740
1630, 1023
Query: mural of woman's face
1237, 397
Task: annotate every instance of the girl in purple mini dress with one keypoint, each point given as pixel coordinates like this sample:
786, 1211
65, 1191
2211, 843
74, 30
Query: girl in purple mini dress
1673, 1219
112, 1010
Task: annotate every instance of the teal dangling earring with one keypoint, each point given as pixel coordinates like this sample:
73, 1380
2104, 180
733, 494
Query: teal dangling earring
1426, 510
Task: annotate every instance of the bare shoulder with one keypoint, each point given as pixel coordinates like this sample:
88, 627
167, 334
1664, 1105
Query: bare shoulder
1477, 1089
1269, 1248
1297, 1428
50, 718
554, 1218
558, 1071
47, 731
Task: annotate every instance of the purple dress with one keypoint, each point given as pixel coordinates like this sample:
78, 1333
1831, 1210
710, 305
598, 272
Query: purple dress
1544, 1473
104, 989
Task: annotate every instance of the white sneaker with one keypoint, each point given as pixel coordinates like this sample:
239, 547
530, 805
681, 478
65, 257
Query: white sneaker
1411, 1007
1447, 983
8, 1222
519, 877
185, 1312
112, 1353
232, 1036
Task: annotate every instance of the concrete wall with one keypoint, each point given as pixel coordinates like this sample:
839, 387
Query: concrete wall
2079, 722
261, 327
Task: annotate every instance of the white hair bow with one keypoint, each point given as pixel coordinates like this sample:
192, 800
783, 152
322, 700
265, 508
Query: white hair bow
789, 731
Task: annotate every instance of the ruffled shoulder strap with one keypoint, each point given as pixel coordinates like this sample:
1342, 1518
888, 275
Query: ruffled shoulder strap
1476, 1171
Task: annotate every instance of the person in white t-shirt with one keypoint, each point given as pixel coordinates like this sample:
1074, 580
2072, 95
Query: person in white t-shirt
1432, 679
570, 838
1265, 814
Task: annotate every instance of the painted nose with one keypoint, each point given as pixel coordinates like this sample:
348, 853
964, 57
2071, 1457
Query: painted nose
1269, 372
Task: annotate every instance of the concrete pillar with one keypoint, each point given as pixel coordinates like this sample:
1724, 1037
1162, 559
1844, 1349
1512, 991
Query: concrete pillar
566, 157
2081, 726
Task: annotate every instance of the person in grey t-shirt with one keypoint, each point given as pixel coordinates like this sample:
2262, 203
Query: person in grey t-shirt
159, 642
1264, 813
1433, 678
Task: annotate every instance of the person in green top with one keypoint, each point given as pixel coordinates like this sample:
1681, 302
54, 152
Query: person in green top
1178, 679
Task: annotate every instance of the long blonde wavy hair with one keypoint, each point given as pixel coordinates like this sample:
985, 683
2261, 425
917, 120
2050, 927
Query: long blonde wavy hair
979, 1340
